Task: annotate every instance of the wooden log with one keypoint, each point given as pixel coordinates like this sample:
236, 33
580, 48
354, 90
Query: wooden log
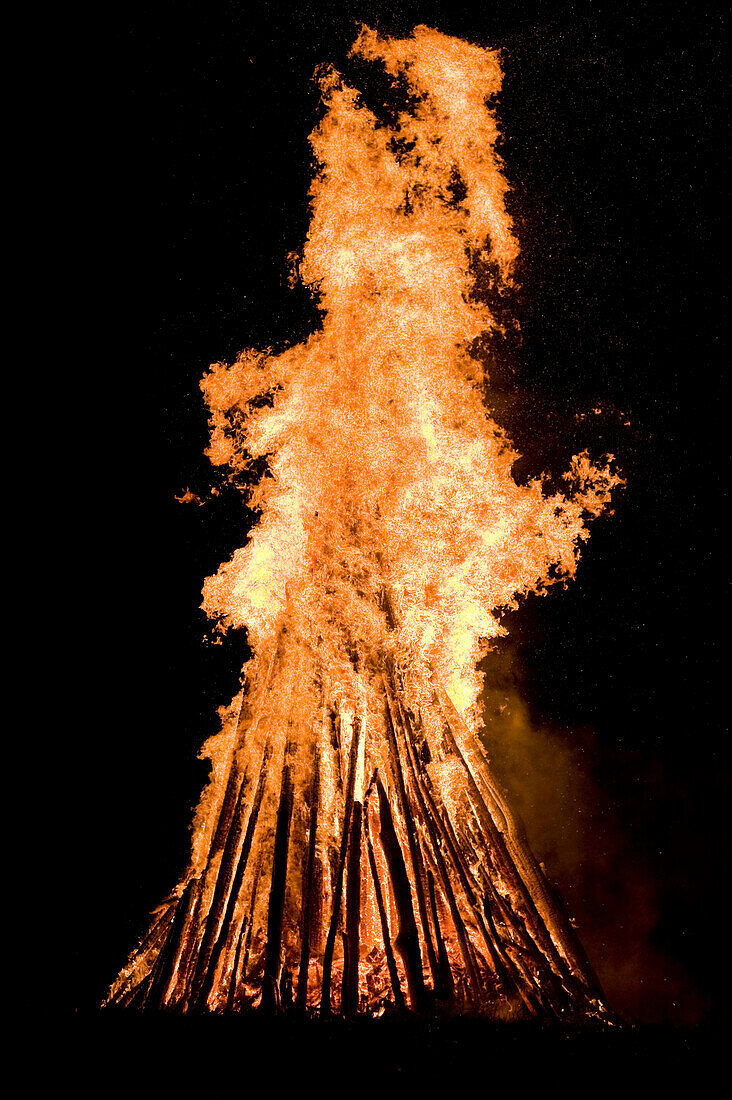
559, 987
439, 834
170, 993
548, 996
125, 982
407, 939
446, 980
309, 890
203, 977
203, 933
439, 827
383, 919
146, 990
163, 965
534, 923
501, 965
250, 921
232, 993
167, 973
275, 914
415, 763
515, 935
199, 938
412, 841
337, 749
337, 891
563, 944
228, 884
178, 991
233, 786
536, 938
353, 914
466, 950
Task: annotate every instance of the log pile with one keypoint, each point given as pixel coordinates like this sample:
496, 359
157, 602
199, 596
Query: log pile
363, 864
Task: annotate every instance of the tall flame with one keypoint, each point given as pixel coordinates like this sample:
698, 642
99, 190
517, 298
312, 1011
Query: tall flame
383, 465
391, 536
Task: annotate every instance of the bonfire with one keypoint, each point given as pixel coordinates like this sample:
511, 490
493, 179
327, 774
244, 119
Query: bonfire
352, 852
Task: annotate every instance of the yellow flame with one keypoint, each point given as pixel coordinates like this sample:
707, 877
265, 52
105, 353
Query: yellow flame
391, 536
384, 465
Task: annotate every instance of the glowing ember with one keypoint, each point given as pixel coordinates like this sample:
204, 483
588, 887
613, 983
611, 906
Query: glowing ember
351, 852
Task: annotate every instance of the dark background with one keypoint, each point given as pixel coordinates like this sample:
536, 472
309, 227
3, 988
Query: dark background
197, 124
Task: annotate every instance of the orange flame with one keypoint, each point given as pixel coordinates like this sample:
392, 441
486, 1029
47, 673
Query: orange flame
382, 461
391, 536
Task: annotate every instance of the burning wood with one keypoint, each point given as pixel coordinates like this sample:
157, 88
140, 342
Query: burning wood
352, 852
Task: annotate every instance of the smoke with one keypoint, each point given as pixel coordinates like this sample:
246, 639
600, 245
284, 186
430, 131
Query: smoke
575, 827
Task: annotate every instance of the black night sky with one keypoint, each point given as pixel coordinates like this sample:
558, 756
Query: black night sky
611, 122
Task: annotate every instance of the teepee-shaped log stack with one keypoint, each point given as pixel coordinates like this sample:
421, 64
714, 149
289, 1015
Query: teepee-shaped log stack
363, 863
